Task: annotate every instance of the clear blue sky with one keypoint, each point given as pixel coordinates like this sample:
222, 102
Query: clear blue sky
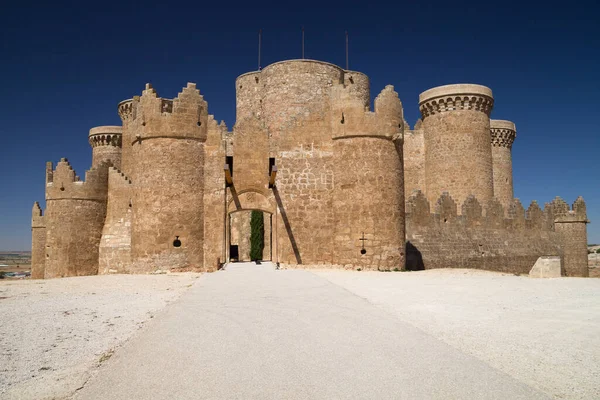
65, 66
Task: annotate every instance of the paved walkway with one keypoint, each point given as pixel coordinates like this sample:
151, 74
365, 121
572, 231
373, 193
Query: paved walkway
251, 332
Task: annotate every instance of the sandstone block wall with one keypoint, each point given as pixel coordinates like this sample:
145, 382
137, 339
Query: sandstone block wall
458, 156
414, 159
168, 181
38, 242
214, 195
115, 246
503, 135
75, 213
240, 234
368, 189
570, 224
297, 109
484, 236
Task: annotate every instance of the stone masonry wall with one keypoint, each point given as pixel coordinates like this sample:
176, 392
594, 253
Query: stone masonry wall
115, 245
75, 213
570, 224
297, 108
240, 234
168, 181
483, 237
414, 159
38, 242
214, 192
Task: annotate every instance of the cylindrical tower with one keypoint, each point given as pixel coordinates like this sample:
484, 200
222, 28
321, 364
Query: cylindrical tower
369, 187
167, 163
458, 158
251, 143
75, 213
127, 111
503, 135
296, 105
106, 145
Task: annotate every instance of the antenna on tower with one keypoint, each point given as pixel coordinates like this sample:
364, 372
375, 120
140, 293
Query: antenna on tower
303, 42
347, 66
259, 45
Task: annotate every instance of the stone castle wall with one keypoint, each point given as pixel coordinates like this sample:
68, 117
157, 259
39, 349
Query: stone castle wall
115, 245
38, 242
414, 159
75, 213
485, 236
214, 195
167, 230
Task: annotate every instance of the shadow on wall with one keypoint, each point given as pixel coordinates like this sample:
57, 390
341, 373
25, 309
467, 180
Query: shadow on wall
414, 259
288, 227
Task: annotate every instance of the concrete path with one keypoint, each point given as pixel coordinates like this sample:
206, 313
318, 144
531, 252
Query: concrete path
251, 332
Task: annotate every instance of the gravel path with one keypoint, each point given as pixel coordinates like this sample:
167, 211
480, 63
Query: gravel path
544, 332
251, 332
53, 333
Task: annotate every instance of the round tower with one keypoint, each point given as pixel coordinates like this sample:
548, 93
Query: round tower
503, 135
127, 109
251, 143
368, 181
458, 157
75, 212
296, 107
106, 145
167, 168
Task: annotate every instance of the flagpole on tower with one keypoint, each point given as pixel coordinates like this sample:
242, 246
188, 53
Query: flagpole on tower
347, 67
259, 45
303, 42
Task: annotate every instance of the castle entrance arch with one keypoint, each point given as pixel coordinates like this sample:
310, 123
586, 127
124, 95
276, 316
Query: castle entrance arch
244, 209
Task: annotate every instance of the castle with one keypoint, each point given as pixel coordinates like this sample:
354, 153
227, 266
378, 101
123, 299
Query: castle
339, 184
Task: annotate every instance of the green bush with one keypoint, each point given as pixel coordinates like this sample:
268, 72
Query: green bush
257, 235
598, 251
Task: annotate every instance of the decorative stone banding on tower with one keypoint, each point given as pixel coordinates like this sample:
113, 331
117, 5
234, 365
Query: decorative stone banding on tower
106, 144
503, 135
458, 157
456, 97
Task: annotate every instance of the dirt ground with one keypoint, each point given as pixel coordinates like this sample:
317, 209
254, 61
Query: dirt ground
55, 332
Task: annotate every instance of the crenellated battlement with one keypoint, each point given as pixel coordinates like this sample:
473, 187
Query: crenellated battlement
503, 133
66, 184
456, 97
492, 214
351, 118
116, 177
150, 116
37, 217
564, 214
